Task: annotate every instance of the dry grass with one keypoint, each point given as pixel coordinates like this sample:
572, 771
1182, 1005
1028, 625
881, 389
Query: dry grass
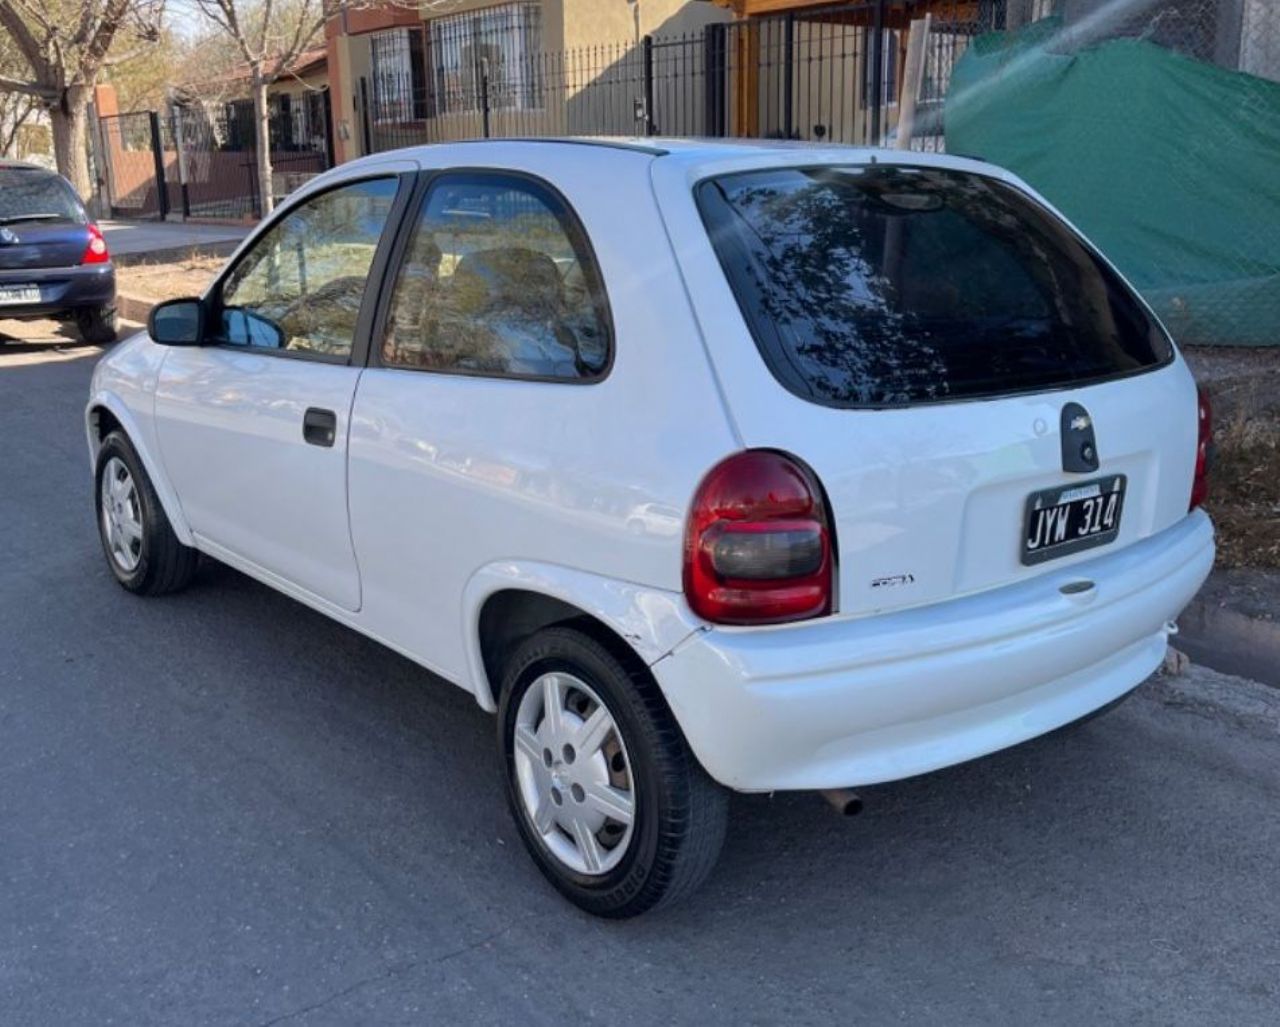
1244, 494
186, 277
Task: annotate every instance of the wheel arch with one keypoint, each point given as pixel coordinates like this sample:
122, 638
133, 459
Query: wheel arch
104, 414
505, 603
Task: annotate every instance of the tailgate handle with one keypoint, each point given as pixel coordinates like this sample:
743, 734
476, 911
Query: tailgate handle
1079, 446
319, 427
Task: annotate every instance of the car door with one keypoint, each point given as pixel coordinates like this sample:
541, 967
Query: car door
488, 374
253, 425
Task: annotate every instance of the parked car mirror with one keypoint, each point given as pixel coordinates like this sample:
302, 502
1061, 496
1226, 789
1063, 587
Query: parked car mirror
177, 323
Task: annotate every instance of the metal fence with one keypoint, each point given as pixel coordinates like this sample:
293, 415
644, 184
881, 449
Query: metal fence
201, 161
215, 165
833, 73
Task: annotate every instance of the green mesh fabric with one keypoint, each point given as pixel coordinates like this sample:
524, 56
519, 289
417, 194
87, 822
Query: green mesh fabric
1170, 165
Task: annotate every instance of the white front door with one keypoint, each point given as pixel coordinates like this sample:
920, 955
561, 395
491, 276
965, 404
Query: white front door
253, 426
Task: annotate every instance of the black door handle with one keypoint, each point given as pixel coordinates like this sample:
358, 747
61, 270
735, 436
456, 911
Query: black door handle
319, 427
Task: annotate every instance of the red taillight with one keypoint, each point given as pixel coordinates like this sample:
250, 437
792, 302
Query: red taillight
96, 251
757, 546
1204, 446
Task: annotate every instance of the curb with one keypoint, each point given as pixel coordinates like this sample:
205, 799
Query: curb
133, 308
169, 254
1229, 641
1249, 705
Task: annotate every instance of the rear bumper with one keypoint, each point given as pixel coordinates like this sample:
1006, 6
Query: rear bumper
62, 289
861, 700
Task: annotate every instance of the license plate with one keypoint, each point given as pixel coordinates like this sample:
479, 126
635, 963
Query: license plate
19, 294
1069, 518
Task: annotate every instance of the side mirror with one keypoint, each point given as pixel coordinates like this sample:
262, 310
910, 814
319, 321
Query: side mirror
177, 323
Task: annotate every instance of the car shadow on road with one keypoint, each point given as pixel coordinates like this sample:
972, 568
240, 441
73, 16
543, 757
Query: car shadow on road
42, 337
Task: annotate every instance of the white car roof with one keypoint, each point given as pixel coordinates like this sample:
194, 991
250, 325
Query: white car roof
697, 156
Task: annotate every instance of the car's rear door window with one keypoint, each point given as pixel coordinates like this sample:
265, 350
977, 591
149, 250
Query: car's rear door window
886, 285
32, 194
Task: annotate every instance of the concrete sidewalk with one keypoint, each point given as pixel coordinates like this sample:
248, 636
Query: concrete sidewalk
134, 241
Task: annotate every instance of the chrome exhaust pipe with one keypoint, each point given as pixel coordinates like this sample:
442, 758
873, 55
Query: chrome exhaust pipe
844, 801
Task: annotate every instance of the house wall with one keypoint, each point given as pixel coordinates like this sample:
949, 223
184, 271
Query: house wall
591, 22
604, 27
348, 53
1260, 39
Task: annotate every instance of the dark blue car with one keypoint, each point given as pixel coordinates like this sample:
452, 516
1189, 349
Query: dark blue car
53, 259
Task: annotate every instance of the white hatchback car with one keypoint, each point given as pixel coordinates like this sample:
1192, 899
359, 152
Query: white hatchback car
706, 466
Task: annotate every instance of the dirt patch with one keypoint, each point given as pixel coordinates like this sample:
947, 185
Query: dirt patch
187, 277
1244, 479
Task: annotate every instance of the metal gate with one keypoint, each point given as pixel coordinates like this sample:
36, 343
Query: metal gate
202, 162
214, 172
133, 165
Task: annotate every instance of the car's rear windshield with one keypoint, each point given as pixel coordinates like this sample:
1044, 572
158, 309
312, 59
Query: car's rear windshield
34, 194
886, 285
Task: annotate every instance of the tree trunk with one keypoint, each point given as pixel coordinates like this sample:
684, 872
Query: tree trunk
69, 120
262, 139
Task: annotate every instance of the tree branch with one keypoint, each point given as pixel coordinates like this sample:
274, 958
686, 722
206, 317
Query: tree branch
27, 43
111, 60
95, 50
305, 30
16, 85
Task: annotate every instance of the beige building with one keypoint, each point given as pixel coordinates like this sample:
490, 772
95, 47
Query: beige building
453, 68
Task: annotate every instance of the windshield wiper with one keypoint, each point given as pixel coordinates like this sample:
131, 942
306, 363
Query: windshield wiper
33, 217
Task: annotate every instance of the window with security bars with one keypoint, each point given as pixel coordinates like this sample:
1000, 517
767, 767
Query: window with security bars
493, 48
297, 122
400, 88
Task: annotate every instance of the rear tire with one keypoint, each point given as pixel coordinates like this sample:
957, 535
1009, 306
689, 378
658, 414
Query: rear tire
97, 325
659, 820
141, 549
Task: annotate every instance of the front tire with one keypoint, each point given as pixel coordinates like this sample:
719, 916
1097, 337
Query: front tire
610, 802
141, 549
97, 325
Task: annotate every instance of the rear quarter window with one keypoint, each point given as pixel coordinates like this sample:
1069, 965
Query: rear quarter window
884, 285
33, 194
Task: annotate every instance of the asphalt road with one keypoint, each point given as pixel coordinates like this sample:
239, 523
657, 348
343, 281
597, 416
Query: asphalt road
222, 808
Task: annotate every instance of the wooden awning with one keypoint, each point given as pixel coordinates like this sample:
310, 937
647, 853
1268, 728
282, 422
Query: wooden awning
897, 13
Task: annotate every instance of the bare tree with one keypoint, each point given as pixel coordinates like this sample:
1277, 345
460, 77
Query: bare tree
65, 44
16, 109
269, 36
